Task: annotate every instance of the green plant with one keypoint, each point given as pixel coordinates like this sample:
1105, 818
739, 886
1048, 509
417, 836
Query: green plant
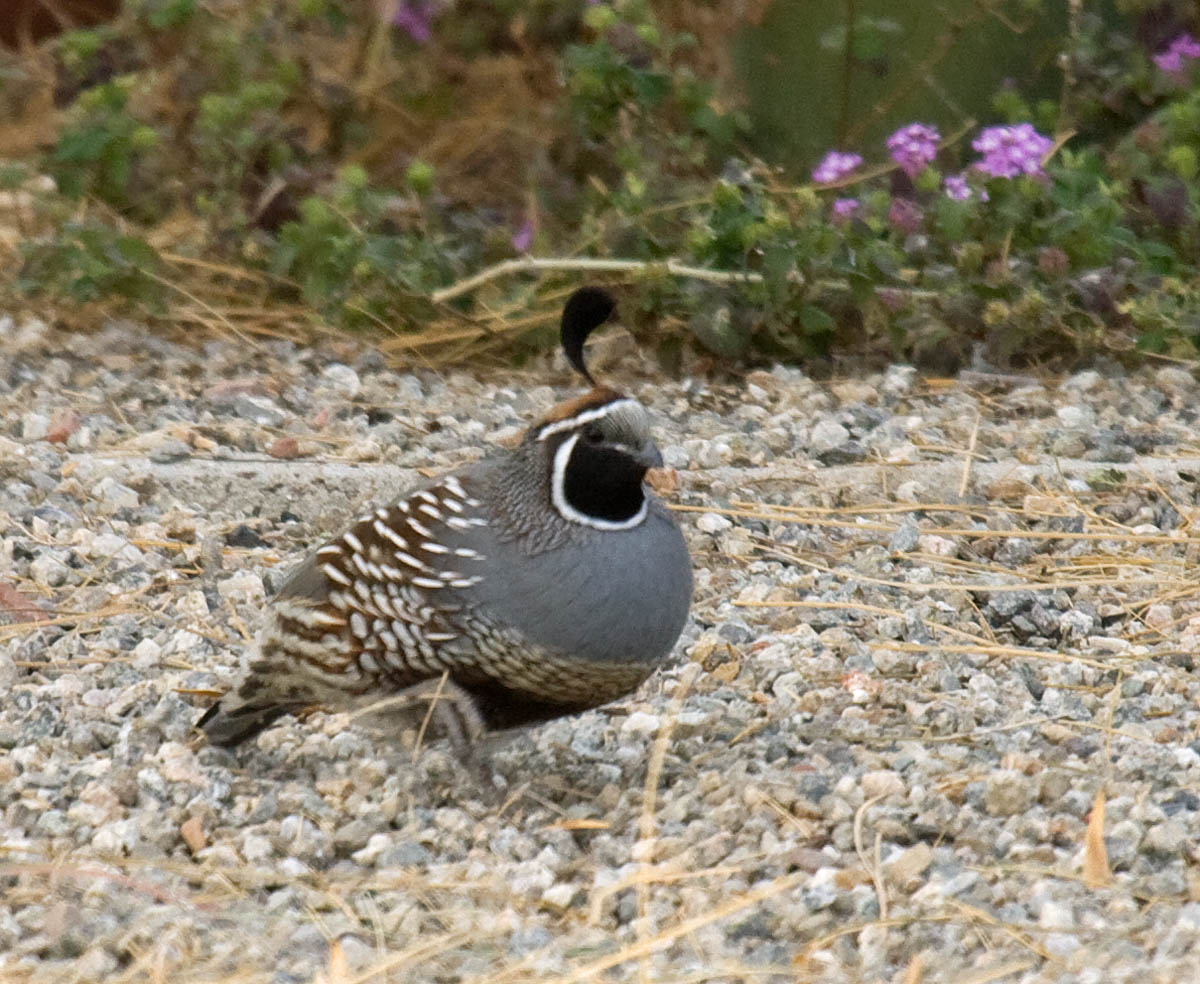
104, 150
350, 261
89, 260
336, 151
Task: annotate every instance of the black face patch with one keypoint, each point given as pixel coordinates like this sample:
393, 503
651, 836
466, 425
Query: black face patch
603, 482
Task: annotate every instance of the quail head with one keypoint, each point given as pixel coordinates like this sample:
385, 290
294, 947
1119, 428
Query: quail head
537, 582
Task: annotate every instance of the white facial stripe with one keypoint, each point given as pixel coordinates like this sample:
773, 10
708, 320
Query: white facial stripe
584, 418
558, 495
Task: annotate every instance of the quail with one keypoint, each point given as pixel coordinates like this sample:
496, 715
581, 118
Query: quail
537, 582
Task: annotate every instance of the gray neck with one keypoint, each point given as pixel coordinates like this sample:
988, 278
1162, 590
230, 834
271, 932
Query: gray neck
520, 502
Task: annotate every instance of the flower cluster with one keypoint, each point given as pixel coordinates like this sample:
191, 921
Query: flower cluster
844, 209
957, 189
914, 146
834, 166
1006, 152
1172, 59
1009, 151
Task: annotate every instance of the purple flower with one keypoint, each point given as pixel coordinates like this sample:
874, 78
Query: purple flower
1187, 46
913, 147
905, 215
523, 238
416, 17
1171, 60
834, 166
843, 210
956, 187
1011, 150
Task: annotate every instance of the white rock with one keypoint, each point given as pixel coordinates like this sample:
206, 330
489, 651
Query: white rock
939, 546
1075, 624
113, 495
193, 604
1173, 379
641, 723
899, 380
826, 435
1159, 616
185, 642
559, 895
256, 848
242, 589
357, 952
294, 867
1081, 382
713, 454
904, 454
35, 426
147, 654
1056, 915
675, 457
118, 837
883, 782
712, 522
48, 571
367, 450
341, 378
1076, 418
789, 686
1185, 757
375, 846
530, 879
110, 545
1108, 644
1062, 945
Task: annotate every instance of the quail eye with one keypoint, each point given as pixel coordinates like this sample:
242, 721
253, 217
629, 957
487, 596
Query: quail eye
593, 434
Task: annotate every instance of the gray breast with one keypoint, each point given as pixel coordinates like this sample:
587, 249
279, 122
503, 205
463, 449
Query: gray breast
612, 596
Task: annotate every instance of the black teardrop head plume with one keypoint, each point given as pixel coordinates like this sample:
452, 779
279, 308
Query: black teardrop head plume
585, 311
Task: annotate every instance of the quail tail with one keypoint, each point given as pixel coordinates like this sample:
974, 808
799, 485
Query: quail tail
232, 725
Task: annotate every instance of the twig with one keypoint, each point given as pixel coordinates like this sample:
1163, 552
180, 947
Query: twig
204, 305
966, 472
437, 695
871, 865
523, 264
658, 754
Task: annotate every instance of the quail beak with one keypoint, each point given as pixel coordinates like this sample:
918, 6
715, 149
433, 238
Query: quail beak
649, 455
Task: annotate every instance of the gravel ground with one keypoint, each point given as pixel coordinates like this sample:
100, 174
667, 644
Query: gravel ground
943, 637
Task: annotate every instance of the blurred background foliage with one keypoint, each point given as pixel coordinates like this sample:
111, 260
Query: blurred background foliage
297, 166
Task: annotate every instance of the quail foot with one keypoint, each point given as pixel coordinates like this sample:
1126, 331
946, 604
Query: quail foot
537, 582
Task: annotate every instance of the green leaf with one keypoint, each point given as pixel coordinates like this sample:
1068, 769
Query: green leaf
137, 251
816, 321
